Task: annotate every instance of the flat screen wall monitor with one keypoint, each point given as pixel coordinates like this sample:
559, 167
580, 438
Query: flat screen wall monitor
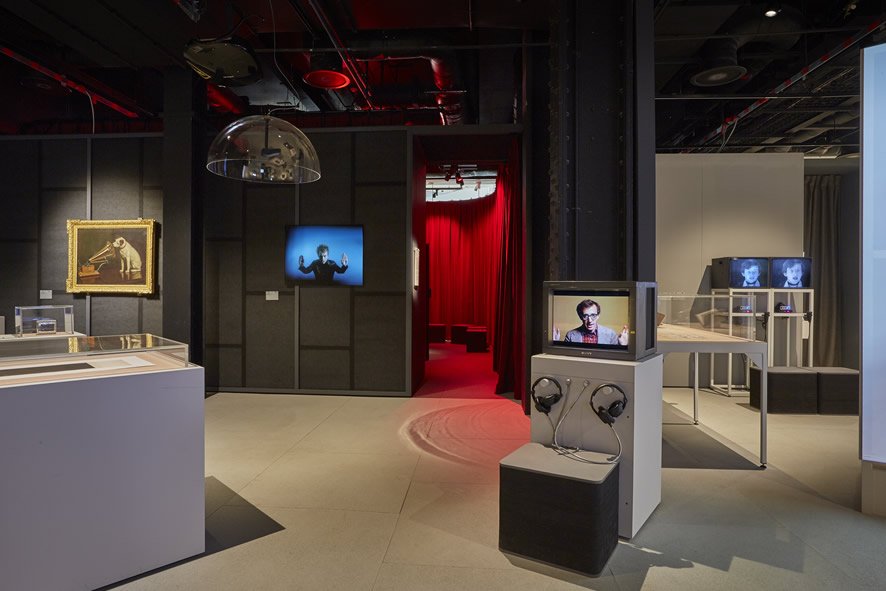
324, 255
739, 272
600, 319
790, 272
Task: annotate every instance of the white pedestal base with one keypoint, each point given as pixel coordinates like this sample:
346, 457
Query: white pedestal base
873, 488
639, 427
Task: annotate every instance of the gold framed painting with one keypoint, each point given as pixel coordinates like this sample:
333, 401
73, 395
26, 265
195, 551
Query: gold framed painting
111, 256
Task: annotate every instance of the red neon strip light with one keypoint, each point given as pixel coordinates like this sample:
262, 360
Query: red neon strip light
68, 83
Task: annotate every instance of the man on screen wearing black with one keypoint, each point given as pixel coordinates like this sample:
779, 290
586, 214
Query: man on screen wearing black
792, 269
591, 332
750, 271
323, 269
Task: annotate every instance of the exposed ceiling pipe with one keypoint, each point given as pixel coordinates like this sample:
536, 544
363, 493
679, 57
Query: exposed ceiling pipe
802, 74
68, 83
346, 59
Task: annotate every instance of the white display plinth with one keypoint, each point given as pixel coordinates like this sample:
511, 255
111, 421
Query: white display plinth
639, 427
103, 477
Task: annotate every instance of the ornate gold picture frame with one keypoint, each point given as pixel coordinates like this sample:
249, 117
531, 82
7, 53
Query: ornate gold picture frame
111, 256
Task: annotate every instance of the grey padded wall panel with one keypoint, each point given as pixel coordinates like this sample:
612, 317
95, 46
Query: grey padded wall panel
224, 293
328, 201
18, 287
270, 342
224, 367
20, 163
64, 164
56, 208
152, 315
380, 157
115, 315
324, 369
223, 207
152, 162
116, 180
324, 317
382, 211
380, 342
268, 211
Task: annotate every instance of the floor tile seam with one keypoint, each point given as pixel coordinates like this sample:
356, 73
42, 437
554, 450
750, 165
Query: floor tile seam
803, 538
262, 506
509, 568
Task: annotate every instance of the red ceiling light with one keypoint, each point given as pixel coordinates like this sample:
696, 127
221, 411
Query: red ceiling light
326, 72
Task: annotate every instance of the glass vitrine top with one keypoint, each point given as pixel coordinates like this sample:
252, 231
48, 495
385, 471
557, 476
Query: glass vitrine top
90, 346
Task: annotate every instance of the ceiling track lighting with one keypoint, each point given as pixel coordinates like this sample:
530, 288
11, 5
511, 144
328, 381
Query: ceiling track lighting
772, 9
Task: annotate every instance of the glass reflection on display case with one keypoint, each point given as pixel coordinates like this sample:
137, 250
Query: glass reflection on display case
43, 320
732, 315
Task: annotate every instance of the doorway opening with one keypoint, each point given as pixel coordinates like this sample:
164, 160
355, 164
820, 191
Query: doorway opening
468, 305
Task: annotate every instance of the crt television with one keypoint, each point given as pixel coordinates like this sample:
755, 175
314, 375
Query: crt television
600, 319
324, 255
740, 272
790, 272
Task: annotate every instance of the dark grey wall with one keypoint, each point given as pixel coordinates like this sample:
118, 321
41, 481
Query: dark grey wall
52, 181
848, 238
312, 338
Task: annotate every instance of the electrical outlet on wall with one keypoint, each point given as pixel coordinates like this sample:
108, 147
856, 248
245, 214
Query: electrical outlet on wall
272, 296
45, 294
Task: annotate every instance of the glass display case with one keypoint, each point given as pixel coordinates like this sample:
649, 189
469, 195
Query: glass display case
38, 360
731, 315
43, 320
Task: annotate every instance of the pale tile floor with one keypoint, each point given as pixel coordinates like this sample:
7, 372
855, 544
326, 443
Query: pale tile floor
344, 493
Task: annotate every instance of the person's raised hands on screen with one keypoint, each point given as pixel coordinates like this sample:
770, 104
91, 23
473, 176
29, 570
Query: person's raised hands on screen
623, 336
301, 261
344, 260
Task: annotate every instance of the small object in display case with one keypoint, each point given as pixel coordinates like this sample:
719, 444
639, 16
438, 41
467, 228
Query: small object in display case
738, 272
43, 320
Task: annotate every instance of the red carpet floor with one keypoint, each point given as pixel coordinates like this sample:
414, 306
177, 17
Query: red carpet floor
453, 373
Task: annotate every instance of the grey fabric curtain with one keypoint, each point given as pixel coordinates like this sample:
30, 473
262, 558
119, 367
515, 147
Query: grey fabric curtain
820, 238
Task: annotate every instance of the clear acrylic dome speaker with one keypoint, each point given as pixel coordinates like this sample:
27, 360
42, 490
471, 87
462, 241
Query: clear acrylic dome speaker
263, 149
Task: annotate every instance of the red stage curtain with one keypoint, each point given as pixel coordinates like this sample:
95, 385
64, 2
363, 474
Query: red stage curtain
476, 270
464, 239
509, 339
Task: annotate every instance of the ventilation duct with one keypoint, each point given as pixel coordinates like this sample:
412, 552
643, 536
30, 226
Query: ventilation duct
721, 59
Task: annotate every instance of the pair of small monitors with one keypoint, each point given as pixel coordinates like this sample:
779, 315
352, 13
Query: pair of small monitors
761, 272
324, 255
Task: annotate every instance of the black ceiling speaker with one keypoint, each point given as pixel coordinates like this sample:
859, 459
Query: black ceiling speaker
229, 61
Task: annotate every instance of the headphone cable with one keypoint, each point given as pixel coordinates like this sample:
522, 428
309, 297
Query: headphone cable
573, 453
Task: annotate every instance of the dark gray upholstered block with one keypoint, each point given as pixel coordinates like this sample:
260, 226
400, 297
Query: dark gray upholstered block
270, 342
436, 333
329, 200
382, 212
268, 211
380, 157
64, 164
459, 333
223, 211
380, 342
223, 293
838, 390
114, 314
324, 369
18, 279
324, 317
475, 339
790, 390
20, 198
152, 162
224, 367
116, 178
56, 208
562, 519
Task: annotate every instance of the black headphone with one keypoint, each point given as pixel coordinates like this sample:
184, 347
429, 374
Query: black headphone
608, 415
544, 403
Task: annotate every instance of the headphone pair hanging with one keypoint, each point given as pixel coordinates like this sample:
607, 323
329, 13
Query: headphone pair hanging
544, 402
615, 410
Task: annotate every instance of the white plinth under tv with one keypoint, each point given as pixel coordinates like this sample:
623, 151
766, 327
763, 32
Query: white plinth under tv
639, 427
101, 454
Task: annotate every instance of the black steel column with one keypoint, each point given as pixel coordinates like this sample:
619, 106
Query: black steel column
605, 165
184, 104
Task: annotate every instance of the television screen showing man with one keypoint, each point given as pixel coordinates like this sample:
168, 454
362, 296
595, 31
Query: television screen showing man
793, 273
590, 331
750, 273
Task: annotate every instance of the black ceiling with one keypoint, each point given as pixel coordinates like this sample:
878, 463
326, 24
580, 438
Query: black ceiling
456, 62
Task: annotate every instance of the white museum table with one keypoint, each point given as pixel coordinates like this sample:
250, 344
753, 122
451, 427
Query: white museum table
639, 427
101, 457
674, 338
